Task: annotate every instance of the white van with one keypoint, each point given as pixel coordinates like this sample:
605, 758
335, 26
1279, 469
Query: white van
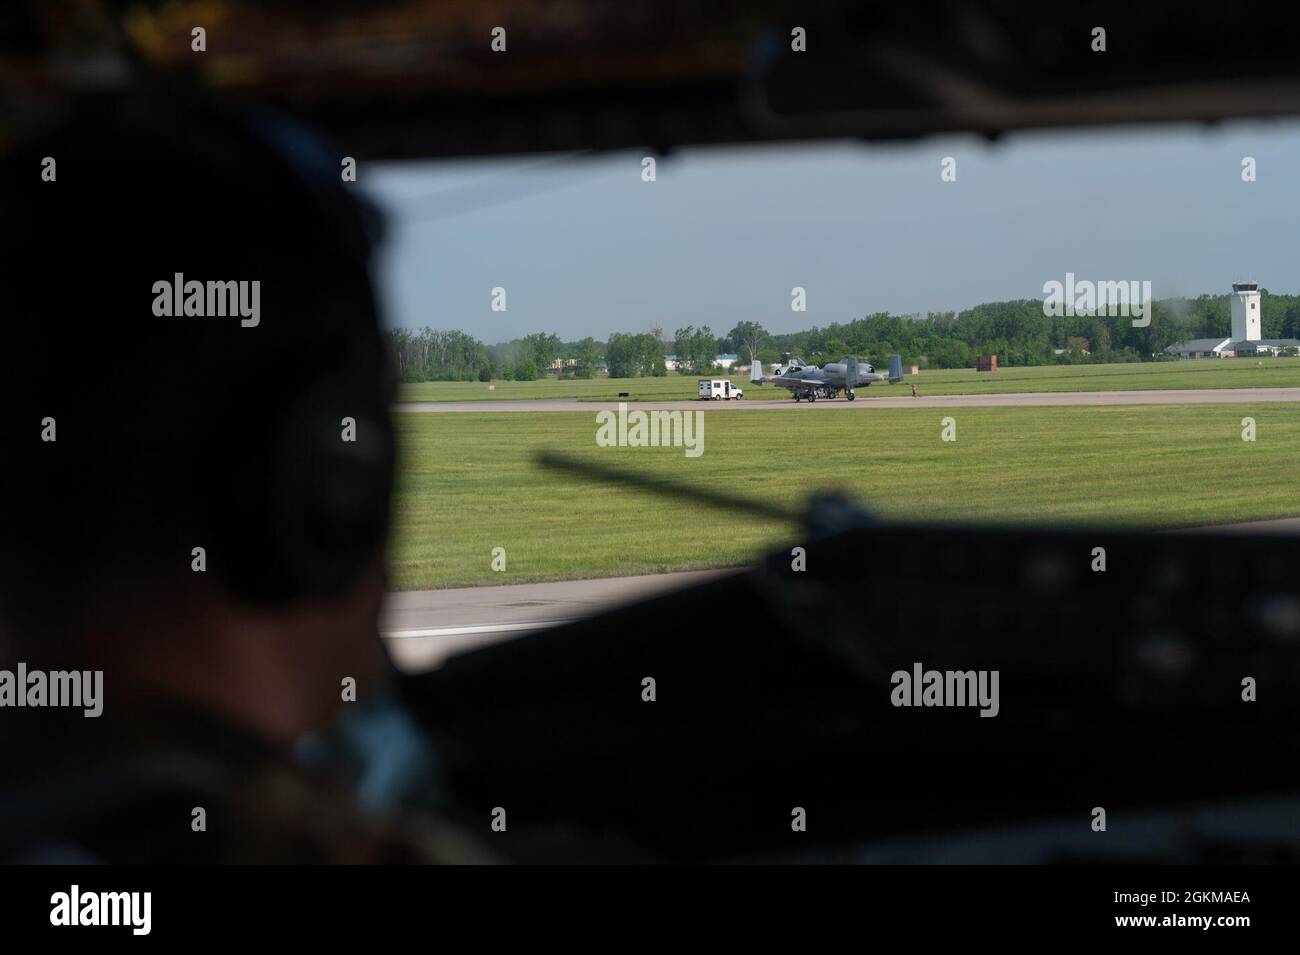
718, 389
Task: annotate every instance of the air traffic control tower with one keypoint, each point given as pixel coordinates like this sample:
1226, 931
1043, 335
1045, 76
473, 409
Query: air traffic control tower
1245, 312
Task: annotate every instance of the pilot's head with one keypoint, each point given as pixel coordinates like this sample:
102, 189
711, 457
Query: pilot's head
196, 442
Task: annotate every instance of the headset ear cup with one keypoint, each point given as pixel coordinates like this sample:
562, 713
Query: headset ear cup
312, 510
327, 506
348, 496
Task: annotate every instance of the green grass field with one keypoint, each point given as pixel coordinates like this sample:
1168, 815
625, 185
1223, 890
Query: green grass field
1215, 373
467, 484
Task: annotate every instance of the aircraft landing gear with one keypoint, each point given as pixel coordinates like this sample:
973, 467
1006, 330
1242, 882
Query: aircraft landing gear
850, 395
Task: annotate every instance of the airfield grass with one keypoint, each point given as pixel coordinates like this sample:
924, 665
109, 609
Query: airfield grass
467, 483
1137, 376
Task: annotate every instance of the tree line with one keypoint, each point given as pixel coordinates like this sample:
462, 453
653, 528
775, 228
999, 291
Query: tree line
1016, 331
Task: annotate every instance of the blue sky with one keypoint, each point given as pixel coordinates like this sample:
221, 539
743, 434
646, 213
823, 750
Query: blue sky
584, 247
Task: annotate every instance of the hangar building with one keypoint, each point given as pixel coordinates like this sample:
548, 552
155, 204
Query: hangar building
1246, 337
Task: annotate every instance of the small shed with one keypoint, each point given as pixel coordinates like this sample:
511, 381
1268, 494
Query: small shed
986, 362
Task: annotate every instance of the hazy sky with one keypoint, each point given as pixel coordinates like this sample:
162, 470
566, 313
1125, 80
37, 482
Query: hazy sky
584, 247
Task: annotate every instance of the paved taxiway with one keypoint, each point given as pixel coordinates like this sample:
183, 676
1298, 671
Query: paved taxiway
423, 627
770, 399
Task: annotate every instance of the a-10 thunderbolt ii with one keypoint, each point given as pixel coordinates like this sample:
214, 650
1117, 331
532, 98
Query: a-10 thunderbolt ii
811, 382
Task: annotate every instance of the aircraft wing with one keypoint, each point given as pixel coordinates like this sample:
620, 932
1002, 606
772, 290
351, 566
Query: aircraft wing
791, 382
785, 381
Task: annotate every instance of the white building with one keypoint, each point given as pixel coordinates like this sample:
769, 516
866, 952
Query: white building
1245, 312
1201, 348
672, 362
1246, 337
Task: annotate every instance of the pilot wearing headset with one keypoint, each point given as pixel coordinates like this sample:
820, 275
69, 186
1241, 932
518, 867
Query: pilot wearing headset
197, 505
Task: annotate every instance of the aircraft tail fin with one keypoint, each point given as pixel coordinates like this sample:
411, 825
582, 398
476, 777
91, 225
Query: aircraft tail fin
895, 369
851, 372
755, 372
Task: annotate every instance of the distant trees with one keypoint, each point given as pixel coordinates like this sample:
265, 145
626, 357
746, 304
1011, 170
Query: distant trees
585, 357
695, 348
635, 356
429, 355
1020, 334
540, 350
747, 339
1017, 331
525, 359
621, 356
1290, 324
